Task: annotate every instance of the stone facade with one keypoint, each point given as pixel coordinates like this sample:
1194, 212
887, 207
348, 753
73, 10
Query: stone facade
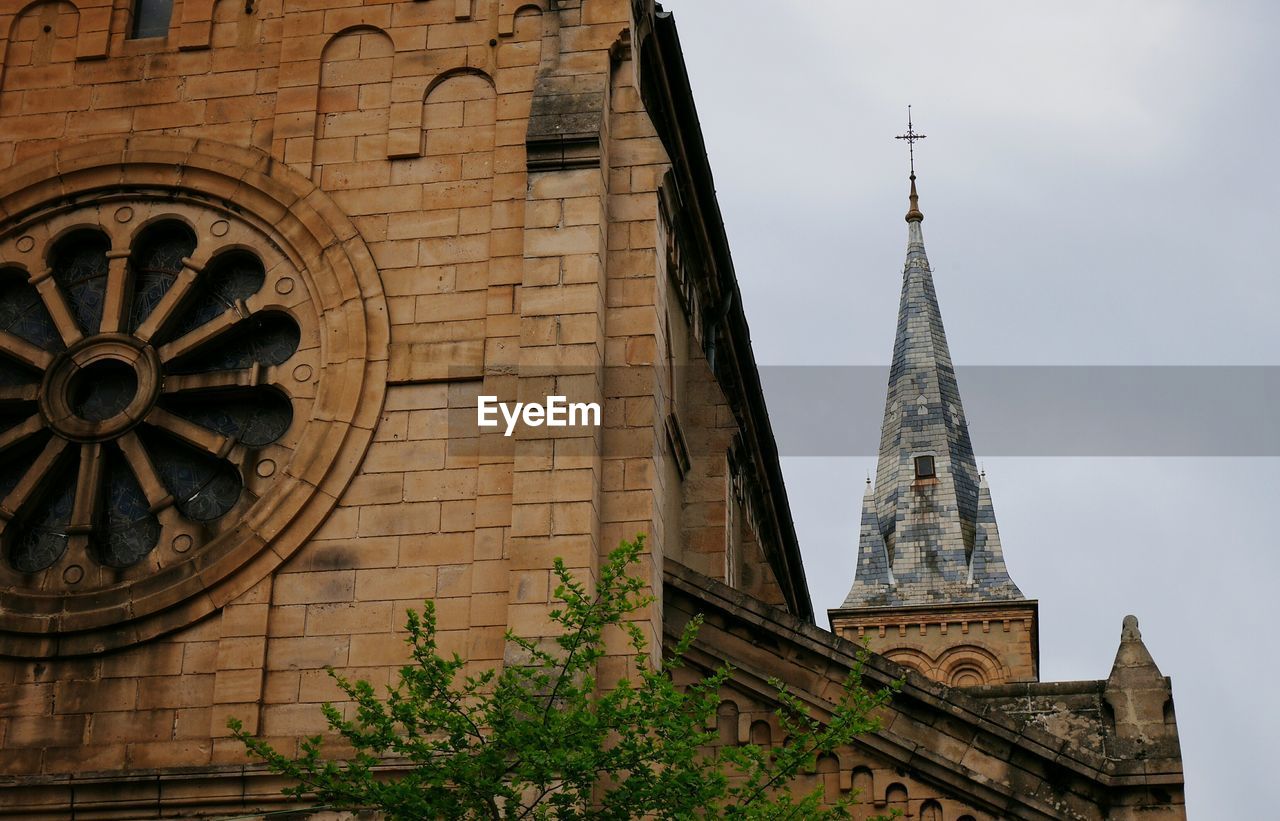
961, 644
255, 272
1026, 751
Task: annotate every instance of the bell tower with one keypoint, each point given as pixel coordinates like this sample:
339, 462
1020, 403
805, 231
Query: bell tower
931, 590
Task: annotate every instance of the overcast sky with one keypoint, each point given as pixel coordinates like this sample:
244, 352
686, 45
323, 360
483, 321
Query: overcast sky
1099, 188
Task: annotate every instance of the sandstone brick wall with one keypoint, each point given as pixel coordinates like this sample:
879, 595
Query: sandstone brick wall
471, 198
959, 645
498, 276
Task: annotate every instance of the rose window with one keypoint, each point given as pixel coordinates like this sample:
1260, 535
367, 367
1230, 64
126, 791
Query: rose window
194, 353
149, 376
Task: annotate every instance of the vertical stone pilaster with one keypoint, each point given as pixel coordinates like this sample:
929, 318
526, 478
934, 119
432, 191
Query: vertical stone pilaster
556, 472
241, 660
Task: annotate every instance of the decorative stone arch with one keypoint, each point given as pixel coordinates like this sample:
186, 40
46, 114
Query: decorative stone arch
332, 290
930, 810
827, 769
93, 28
135, 232
295, 123
527, 44
968, 666
450, 75
410, 115
863, 781
727, 723
509, 10
510, 13
912, 659
35, 46
896, 796
761, 733
353, 95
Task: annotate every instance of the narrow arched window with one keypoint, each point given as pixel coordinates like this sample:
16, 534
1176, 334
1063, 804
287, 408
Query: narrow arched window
896, 797
151, 18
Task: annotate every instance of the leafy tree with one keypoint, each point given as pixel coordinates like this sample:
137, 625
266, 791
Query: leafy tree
543, 739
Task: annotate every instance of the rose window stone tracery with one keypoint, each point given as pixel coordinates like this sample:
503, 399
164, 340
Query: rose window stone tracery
194, 348
140, 375
142, 403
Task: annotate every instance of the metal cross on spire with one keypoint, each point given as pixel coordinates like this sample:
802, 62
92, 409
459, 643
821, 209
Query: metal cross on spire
911, 137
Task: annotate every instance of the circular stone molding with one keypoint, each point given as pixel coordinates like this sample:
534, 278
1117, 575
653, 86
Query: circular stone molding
101, 387
158, 454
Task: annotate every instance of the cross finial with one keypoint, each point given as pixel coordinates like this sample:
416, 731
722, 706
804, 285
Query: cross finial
913, 214
911, 137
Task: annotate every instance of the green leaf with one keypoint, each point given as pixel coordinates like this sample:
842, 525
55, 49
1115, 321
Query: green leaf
542, 738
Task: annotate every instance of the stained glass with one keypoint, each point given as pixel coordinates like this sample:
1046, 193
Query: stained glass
79, 264
267, 339
155, 265
102, 390
230, 277
15, 413
256, 417
23, 312
204, 488
128, 529
43, 537
11, 373
17, 460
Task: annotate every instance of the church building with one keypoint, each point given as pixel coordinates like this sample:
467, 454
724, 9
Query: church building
262, 262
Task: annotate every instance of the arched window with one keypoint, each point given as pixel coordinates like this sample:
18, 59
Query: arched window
79, 264
896, 797
828, 767
156, 261
727, 723
863, 785
151, 18
931, 811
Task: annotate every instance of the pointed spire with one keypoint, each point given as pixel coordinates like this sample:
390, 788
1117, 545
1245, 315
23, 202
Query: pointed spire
873, 579
987, 570
1133, 659
1140, 698
932, 508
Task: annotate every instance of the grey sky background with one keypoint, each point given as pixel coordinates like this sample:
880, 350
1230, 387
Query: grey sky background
1099, 188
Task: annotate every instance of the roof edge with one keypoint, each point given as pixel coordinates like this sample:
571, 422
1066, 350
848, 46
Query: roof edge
951, 702
668, 97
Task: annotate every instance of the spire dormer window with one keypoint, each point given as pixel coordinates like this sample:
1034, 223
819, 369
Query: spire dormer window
151, 18
925, 468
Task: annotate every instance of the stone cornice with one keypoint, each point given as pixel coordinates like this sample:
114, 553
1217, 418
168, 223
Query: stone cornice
926, 717
664, 84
